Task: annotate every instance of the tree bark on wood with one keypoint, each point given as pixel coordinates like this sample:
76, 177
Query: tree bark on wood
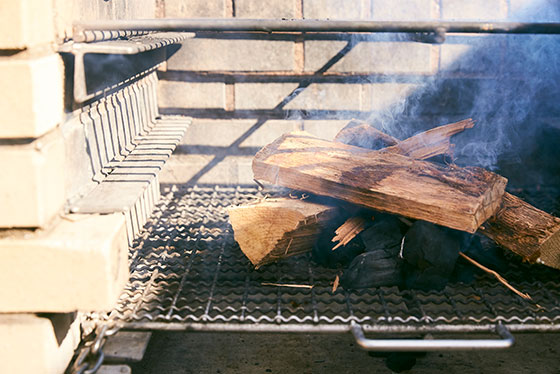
460, 198
526, 231
278, 228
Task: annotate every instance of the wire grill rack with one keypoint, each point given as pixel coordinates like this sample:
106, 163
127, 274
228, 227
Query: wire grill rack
188, 273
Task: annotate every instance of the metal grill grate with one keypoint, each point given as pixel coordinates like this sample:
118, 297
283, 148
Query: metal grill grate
187, 272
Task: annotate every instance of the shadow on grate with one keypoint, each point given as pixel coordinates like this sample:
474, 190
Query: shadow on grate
188, 273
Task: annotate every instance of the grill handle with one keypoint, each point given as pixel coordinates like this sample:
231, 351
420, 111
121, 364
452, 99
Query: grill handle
426, 345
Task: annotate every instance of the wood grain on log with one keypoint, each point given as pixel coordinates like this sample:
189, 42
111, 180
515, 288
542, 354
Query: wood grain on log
460, 198
430, 143
526, 231
517, 226
277, 228
359, 133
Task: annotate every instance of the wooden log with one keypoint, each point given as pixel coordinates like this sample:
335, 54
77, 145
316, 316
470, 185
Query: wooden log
430, 143
460, 198
361, 134
517, 226
278, 228
526, 231
421, 146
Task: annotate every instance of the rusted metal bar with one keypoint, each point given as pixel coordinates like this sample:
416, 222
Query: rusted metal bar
84, 30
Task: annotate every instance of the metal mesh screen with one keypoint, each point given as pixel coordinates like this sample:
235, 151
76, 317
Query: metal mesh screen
187, 272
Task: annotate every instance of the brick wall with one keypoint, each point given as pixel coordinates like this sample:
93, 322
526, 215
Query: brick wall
232, 82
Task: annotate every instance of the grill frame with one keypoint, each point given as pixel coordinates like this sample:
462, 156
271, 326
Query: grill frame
188, 274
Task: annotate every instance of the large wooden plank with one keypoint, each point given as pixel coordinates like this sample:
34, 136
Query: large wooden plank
460, 198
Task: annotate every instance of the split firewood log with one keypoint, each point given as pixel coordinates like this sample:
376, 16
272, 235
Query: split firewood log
278, 228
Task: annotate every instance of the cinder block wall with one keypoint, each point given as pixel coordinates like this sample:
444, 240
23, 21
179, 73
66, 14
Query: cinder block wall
245, 90
51, 265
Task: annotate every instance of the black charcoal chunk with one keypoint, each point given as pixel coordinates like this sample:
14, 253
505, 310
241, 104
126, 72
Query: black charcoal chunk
430, 253
385, 234
372, 269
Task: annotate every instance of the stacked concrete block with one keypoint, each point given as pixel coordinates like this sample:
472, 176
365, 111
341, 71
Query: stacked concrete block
80, 263
32, 191
32, 94
54, 262
37, 344
26, 23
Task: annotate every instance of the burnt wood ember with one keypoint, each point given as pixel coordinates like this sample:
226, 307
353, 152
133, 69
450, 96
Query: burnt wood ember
373, 269
460, 198
430, 253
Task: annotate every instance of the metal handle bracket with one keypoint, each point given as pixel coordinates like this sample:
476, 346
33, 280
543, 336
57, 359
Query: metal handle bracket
424, 345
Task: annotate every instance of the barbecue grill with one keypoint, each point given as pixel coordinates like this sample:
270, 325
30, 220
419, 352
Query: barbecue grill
188, 273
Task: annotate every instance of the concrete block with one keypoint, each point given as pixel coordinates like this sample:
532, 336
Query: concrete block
324, 129
268, 9
37, 344
223, 133
387, 96
401, 10
474, 9
234, 170
195, 9
370, 57
63, 13
25, 23
268, 132
80, 263
233, 55
32, 191
176, 94
336, 9
31, 95
329, 96
261, 95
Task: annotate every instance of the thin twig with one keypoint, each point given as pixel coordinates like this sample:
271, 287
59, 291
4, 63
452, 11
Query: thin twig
261, 187
498, 276
335, 284
287, 285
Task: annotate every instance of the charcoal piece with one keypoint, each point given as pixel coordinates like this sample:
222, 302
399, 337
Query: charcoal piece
384, 234
372, 269
488, 255
430, 253
322, 252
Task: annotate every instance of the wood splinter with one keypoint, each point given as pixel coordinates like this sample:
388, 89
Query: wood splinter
500, 279
348, 230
